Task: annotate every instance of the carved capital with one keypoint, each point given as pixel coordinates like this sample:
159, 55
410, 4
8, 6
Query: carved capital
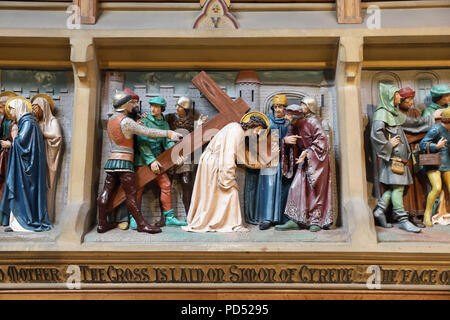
350, 58
83, 58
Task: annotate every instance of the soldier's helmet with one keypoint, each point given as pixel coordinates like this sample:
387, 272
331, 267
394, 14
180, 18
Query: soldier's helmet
119, 100
184, 102
311, 103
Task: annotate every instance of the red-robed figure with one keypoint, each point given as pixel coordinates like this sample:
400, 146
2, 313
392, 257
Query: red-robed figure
309, 201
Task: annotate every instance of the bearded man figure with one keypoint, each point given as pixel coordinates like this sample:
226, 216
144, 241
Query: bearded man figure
310, 201
119, 167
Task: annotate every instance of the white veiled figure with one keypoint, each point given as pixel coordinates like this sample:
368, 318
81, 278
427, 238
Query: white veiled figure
51, 131
20, 107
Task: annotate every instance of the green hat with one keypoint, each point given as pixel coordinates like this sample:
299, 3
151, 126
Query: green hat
439, 90
158, 100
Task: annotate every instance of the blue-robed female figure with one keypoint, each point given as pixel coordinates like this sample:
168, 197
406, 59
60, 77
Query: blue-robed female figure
266, 190
24, 201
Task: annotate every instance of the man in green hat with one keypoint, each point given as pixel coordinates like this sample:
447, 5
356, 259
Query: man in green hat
436, 141
391, 146
440, 97
147, 150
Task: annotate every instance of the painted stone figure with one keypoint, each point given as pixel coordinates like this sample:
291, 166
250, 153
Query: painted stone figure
414, 197
391, 146
215, 200
437, 141
119, 167
43, 107
440, 97
123, 216
309, 202
24, 199
147, 150
266, 190
184, 119
8, 131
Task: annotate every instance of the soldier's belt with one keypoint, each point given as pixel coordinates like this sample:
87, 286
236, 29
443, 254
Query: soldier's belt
121, 156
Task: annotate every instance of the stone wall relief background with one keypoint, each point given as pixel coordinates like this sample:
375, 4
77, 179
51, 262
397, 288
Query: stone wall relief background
421, 81
256, 88
59, 86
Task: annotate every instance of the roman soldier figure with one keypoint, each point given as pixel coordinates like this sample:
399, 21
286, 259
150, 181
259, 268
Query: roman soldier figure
184, 119
119, 167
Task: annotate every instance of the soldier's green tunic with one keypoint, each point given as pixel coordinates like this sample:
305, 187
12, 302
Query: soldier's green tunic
148, 149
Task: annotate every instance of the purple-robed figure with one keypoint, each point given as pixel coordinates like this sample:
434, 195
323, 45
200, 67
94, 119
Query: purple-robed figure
309, 202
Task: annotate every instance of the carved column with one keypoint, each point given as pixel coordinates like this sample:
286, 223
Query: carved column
81, 208
353, 185
348, 11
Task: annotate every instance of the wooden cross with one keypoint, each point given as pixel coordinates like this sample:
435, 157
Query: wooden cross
229, 111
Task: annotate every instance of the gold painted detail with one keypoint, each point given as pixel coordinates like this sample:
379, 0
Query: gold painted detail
215, 15
362, 276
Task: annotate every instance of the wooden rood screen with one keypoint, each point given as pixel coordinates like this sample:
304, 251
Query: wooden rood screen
229, 111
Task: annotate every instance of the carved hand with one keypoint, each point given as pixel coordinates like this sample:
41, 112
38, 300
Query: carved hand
180, 160
6, 144
202, 119
441, 143
275, 149
155, 167
395, 141
291, 139
302, 157
438, 114
175, 136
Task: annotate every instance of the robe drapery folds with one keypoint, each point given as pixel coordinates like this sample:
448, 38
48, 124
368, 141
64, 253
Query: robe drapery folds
25, 193
266, 190
53, 141
310, 196
389, 122
6, 128
215, 199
